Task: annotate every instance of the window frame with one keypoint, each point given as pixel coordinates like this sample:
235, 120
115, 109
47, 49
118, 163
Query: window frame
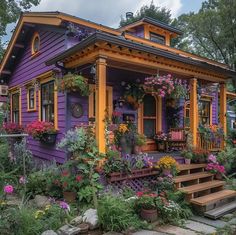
152, 34
92, 103
33, 51
17, 91
34, 108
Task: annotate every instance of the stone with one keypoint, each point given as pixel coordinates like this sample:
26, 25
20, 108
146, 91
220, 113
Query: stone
147, 232
227, 217
170, 229
233, 221
112, 233
200, 227
91, 217
49, 232
76, 221
68, 230
213, 223
41, 201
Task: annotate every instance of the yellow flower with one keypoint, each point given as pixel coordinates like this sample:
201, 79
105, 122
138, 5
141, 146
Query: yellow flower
47, 207
123, 128
2, 203
38, 214
166, 162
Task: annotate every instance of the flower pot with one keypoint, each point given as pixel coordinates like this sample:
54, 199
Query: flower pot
137, 149
218, 176
49, 138
149, 215
69, 196
187, 161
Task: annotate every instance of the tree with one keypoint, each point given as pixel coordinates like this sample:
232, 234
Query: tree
211, 32
9, 13
152, 11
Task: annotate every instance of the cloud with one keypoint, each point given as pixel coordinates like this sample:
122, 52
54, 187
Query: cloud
106, 12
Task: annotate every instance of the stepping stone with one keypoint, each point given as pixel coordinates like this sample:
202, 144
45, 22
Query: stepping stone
199, 227
213, 223
147, 232
170, 229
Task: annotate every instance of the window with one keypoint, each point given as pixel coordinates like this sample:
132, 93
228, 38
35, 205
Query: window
35, 44
31, 99
187, 115
15, 101
157, 38
92, 101
149, 116
205, 112
47, 102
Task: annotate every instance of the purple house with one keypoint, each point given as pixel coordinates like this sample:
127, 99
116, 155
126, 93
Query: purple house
46, 45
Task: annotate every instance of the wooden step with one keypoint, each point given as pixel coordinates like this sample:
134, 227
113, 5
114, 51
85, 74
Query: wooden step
185, 178
201, 187
184, 167
222, 210
213, 197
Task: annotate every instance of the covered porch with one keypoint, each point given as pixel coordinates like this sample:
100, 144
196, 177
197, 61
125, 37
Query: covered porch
119, 60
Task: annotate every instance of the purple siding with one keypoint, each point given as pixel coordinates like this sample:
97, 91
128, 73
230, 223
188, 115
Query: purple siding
215, 109
27, 69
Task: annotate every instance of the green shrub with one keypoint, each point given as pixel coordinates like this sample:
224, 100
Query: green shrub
115, 214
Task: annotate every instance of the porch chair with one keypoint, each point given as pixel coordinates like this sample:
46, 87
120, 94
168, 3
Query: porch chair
177, 139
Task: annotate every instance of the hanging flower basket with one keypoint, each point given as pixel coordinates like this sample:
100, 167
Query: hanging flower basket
74, 83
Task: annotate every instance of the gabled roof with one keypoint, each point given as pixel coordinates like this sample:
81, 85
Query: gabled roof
27, 19
122, 42
154, 22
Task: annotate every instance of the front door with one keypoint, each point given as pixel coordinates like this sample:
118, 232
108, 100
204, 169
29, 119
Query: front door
148, 120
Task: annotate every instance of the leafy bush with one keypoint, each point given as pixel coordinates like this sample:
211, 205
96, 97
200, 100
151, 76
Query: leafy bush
115, 214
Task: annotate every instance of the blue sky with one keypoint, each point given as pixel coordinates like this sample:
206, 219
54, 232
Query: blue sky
108, 12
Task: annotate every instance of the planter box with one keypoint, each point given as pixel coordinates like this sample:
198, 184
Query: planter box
139, 173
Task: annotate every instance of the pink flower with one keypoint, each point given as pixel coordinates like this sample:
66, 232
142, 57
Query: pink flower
212, 158
64, 206
8, 189
22, 180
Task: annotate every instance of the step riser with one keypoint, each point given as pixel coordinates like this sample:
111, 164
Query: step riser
195, 181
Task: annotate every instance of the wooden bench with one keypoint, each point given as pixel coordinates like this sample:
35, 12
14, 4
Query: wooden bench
177, 139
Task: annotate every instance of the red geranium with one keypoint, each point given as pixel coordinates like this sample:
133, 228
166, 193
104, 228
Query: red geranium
79, 178
38, 128
13, 128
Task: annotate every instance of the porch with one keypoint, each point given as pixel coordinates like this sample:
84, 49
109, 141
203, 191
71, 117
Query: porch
116, 60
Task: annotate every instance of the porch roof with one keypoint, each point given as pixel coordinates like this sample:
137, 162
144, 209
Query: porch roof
122, 42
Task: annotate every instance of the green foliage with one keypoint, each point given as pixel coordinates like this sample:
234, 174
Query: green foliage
9, 12
115, 214
211, 31
227, 158
155, 12
23, 220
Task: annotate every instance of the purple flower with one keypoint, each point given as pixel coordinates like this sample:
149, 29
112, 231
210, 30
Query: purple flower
64, 206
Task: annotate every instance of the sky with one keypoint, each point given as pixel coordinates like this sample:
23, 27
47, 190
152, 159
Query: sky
109, 12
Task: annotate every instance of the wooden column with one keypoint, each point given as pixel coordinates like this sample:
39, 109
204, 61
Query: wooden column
193, 110
159, 114
223, 107
100, 104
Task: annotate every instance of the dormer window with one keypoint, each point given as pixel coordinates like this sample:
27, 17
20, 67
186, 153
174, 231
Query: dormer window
35, 44
157, 38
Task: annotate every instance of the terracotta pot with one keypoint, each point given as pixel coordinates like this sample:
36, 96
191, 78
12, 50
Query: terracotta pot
218, 176
187, 161
69, 196
149, 215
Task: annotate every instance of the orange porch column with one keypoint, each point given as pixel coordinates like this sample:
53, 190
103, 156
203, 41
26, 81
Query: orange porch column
223, 108
100, 104
193, 110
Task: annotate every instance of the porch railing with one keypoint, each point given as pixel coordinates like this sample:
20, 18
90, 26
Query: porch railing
213, 144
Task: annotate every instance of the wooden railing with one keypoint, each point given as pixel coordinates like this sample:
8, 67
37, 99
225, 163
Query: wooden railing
210, 145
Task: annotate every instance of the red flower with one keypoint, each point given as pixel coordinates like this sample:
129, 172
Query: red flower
65, 173
79, 178
65, 184
139, 194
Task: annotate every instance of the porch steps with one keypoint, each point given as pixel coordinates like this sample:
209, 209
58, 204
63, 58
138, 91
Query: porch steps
220, 211
203, 192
